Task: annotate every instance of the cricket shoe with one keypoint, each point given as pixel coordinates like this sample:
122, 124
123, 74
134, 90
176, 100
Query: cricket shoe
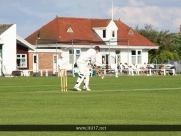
77, 88
86, 89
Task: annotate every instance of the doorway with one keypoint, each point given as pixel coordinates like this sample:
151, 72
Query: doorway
35, 63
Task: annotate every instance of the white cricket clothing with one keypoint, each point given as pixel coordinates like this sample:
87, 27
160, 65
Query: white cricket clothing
0, 66
90, 54
60, 63
60, 66
82, 63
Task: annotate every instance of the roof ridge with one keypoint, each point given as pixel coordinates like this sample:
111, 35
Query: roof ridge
82, 18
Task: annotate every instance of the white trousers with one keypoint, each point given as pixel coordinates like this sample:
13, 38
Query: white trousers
83, 74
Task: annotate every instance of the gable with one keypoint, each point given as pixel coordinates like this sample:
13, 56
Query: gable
112, 26
4, 27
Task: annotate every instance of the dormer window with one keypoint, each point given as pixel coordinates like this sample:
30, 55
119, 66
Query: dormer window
69, 30
104, 33
130, 32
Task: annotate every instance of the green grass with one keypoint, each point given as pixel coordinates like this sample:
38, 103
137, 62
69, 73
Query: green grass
123, 100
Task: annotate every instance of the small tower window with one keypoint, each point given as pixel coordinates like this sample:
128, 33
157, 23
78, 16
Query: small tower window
104, 33
113, 33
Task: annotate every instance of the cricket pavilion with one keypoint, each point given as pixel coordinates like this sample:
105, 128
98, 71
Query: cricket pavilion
119, 43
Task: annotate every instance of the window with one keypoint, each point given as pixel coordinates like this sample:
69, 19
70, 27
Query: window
104, 33
55, 58
35, 59
21, 60
136, 57
77, 52
71, 51
133, 52
139, 57
117, 52
113, 34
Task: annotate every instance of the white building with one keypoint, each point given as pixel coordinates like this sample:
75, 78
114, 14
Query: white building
13, 49
73, 36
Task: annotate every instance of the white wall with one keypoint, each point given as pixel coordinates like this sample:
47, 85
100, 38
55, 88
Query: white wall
144, 56
125, 55
9, 49
112, 27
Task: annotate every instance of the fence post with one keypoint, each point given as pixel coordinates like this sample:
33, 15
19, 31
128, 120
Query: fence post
173, 70
41, 73
164, 73
150, 72
116, 72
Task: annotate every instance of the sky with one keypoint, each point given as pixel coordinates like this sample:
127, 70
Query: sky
30, 15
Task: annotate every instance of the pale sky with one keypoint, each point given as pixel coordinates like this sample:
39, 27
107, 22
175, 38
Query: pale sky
30, 15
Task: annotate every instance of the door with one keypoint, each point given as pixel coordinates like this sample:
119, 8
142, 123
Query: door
103, 59
35, 63
107, 59
55, 64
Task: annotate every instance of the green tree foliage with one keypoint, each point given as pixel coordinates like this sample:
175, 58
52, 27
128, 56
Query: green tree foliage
169, 44
176, 43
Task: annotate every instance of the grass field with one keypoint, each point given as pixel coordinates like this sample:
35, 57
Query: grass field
123, 100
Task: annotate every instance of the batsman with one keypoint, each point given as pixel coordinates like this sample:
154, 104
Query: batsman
82, 62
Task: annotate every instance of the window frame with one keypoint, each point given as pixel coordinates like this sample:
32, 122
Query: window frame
22, 64
137, 56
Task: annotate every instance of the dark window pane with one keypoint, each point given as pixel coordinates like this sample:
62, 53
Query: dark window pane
77, 51
71, 52
133, 52
34, 59
104, 33
113, 34
18, 62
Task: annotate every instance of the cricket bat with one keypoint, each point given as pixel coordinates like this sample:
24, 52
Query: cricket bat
98, 71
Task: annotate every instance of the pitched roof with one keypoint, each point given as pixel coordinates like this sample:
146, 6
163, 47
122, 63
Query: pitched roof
4, 27
135, 39
100, 22
57, 29
24, 43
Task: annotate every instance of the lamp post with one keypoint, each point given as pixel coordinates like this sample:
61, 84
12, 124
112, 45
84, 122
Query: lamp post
72, 59
36, 57
128, 52
56, 59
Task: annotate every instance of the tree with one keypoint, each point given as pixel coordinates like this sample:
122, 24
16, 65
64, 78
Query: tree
168, 47
176, 44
